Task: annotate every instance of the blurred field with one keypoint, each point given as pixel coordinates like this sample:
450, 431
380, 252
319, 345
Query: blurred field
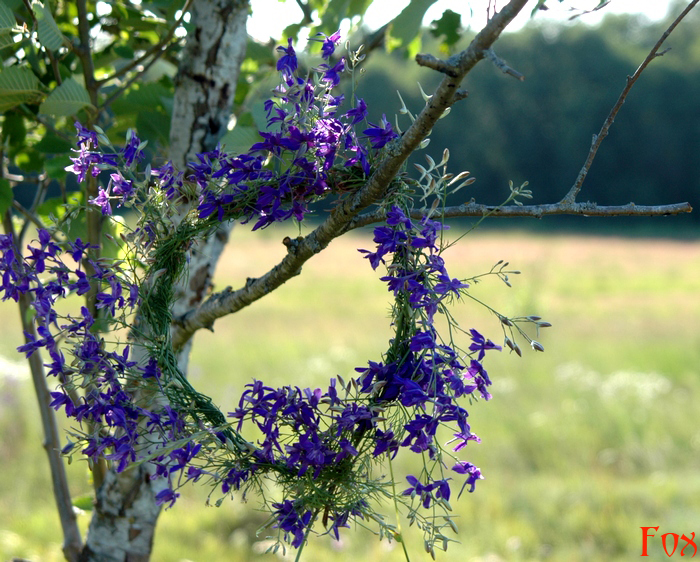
582, 444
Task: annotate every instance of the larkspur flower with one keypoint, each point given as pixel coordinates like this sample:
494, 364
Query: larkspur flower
287, 64
380, 135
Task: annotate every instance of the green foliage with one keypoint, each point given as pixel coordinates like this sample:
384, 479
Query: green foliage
69, 98
449, 27
50, 36
18, 85
6, 195
405, 29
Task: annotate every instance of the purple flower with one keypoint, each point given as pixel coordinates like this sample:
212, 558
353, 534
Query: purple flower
332, 73
132, 151
481, 344
167, 496
288, 63
86, 137
289, 520
102, 201
358, 113
418, 489
464, 438
329, 45
464, 467
381, 134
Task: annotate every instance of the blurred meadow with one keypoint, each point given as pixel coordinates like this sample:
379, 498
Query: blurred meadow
582, 444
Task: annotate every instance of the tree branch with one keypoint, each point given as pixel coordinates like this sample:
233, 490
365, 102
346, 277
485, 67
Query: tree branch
570, 197
374, 190
72, 543
587, 209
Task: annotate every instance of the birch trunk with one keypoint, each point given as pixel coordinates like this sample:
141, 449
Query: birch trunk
125, 514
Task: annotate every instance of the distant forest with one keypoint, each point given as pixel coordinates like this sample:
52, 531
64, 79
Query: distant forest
540, 129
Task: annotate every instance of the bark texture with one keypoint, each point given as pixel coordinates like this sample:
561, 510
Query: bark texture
125, 515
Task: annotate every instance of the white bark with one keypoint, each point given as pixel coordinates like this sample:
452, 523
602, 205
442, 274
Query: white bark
125, 515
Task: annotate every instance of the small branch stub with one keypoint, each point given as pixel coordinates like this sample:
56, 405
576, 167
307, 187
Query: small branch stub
502, 65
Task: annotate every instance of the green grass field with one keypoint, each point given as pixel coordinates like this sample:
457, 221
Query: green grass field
582, 445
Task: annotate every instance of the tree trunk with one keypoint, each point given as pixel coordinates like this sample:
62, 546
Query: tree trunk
125, 514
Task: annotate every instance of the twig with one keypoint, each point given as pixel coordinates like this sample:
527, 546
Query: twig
306, 10
435, 63
156, 50
119, 91
502, 65
570, 197
31, 217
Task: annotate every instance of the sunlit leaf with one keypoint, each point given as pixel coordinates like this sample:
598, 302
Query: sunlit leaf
240, 139
7, 19
406, 27
448, 27
49, 35
69, 98
86, 503
18, 85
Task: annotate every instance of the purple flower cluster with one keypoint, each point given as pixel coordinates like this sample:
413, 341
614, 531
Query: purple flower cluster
79, 357
306, 137
318, 445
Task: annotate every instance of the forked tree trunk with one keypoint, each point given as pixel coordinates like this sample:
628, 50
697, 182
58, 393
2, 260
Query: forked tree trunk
125, 514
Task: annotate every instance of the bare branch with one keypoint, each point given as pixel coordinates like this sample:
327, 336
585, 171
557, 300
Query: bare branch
306, 10
374, 190
502, 65
587, 209
570, 197
435, 63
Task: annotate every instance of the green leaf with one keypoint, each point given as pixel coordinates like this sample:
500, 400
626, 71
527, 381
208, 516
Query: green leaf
145, 97
69, 98
7, 19
55, 167
240, 139
53, 144
406, 27
6, 195
335, 12
49, 34
14, 130
358, 7
448, 26
124, 51
86, 502
18, 85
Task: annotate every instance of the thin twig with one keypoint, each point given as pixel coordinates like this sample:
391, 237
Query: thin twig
570, 197
156, 50
502, 65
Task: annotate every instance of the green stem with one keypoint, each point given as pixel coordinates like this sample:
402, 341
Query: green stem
396, 509
306, 536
